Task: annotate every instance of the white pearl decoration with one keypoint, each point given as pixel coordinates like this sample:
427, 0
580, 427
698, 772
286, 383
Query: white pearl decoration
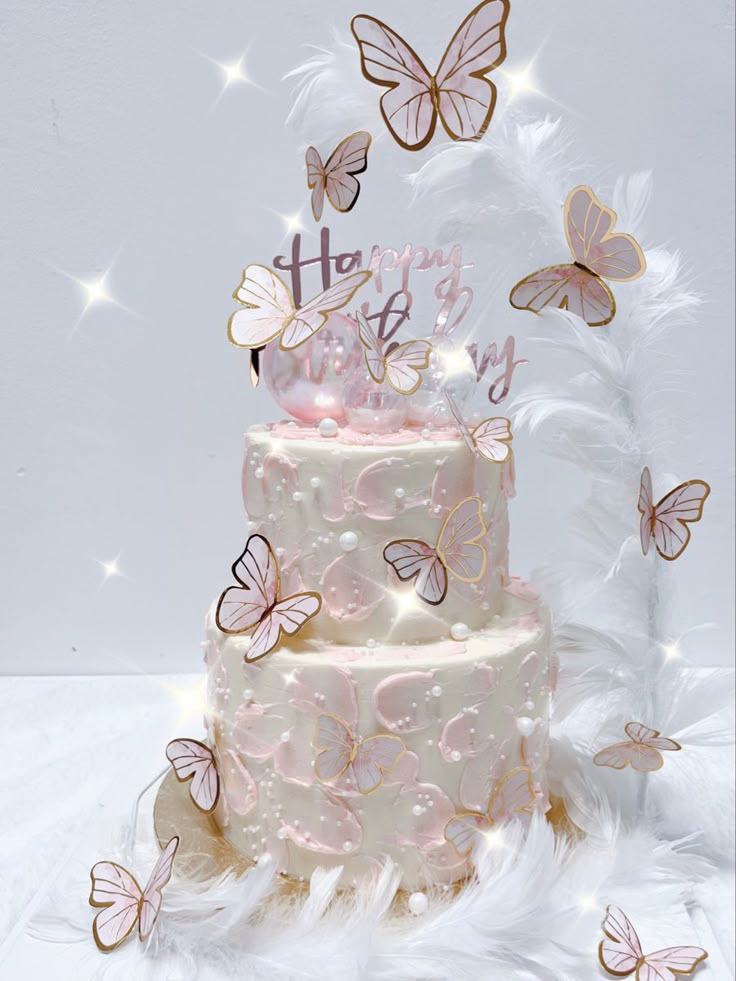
525, 725
328, 428
348, 541
436, 690
459, 631
418, 904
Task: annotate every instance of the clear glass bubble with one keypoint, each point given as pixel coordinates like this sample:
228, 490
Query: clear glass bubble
450, 369
373, 408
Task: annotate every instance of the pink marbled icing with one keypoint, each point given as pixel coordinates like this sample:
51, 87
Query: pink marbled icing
351, 437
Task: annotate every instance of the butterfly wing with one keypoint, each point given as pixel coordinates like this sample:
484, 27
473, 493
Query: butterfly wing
316, 180
404, 363
458, 542
287, 616
194, 761
118, 895
412, 558
621, 951
681, 507
465, 98
492, 438
566, 287
349, 158
333, 741
242, 607
588, 226
308, 319
617, 756
153, 893
373, 357
665, 965
464, 431
267, 308
513, 794
462, 830
646, 509
375, 756
407, 106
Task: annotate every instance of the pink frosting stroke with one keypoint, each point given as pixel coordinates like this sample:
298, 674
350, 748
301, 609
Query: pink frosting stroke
404, 702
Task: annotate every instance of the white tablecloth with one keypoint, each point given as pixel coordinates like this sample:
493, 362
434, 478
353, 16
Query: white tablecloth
77, 752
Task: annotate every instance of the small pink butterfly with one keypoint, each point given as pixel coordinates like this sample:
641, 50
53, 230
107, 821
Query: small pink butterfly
123, 903
194, 761
666, 523
642, 750
490, 439
598, 254
621, 953
269, 310
255, 602
339, 750
513, 794
336, 178
457, 552
401, 367
458, 94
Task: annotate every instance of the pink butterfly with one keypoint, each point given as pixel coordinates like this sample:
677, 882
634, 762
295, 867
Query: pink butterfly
194, 761
457, 552
598, 254
269, 310
336, 178
459, 93
490, 439
642, 751
366, 759
123, 903
666, 523
621, 953
255, 602
513, 794
401, 367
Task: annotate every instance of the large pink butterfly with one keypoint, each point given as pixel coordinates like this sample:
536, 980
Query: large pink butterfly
122, 901
621, 953
513, 794
643, 750
194, 761
598, 254
336, 178
490, 439
255, 602
269, 310
666, 523
338, 751
459, 93
401, 367
457, 552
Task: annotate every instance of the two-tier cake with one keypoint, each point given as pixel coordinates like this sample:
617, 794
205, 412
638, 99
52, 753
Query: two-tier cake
378, 684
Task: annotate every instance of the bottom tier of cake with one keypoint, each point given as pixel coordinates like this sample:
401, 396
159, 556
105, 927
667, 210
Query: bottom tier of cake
337, 755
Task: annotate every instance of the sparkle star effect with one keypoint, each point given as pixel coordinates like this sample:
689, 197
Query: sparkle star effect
95, 292
520, 81
233, 73
588, 904
110, 569
190, 700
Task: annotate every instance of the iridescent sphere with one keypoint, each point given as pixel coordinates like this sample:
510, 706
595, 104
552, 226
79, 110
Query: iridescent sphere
373, 408
308, 382
450, 369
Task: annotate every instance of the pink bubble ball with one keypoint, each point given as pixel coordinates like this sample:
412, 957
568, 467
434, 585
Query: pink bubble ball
373, 408
308, 381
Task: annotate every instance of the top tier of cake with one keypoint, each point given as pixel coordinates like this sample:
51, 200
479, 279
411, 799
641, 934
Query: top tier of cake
330, 505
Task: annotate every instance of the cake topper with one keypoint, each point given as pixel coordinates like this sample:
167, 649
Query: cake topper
643, 750
456, 553
489, 440
122, 903
336, 178
621, 953
340, 751
459, 94
598, 254
194, 761
512, 794
269, 310
401, 366
255, 605
666, 523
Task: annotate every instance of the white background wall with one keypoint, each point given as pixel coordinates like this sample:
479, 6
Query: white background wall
123, 437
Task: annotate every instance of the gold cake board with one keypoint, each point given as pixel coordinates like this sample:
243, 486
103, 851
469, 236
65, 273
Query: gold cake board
204, 852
